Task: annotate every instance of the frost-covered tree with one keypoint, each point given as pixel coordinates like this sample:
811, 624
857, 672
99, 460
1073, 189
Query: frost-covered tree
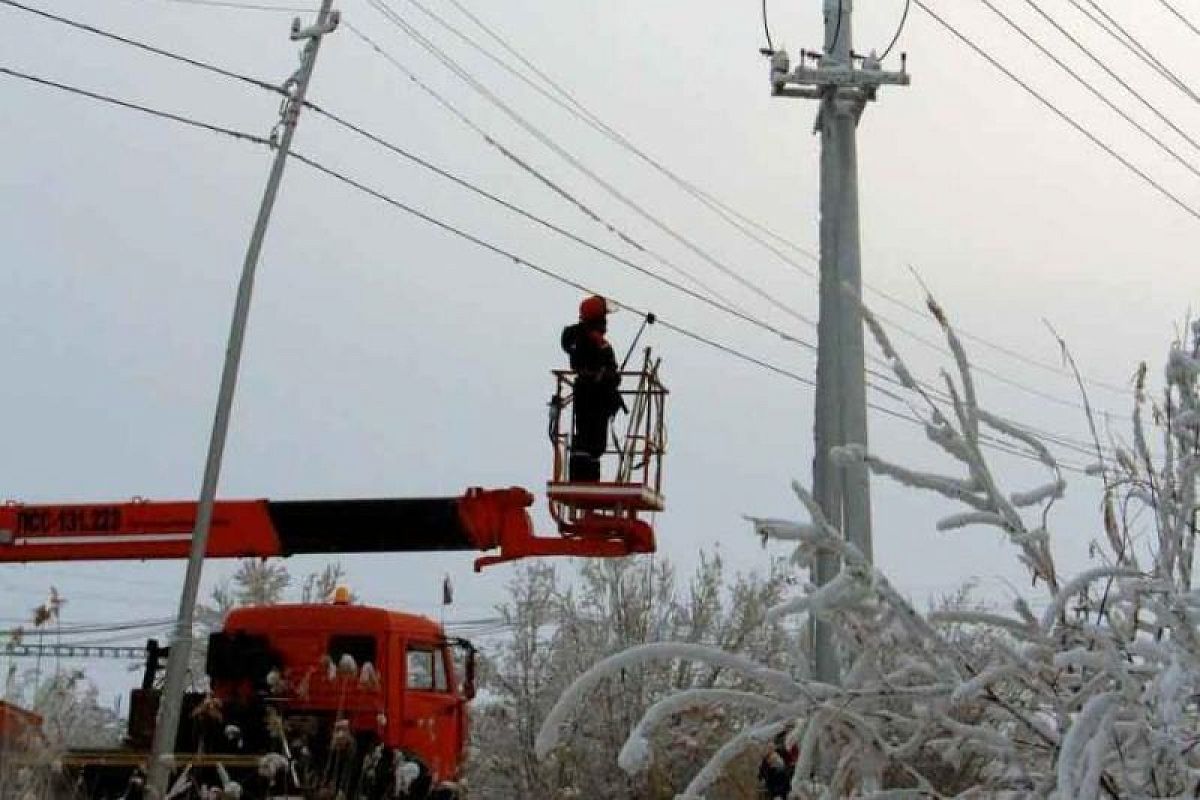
1094, 697
257, 582
558, 629
318, 587
67, 711
69, 706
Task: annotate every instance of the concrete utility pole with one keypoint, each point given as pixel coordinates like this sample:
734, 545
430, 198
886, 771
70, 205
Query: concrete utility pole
843, 83
159, 768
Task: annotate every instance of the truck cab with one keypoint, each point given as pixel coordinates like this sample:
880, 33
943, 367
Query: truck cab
358, 698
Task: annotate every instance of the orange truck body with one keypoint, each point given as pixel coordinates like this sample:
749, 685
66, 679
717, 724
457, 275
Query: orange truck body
17, 726
392, 676
353, 701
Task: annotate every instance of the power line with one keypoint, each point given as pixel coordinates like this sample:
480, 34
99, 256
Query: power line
724, 306
767, 27
149, 48
541, 221
1112, 74
491, 140
1152, 59
87, 628
678, 329
899, 30
392, 16
521, 261
1089, 87
249, 137
565, 100
1064, 116
245, 6
551, 274
570, 105
530, 216
1180, 16
1103, 20
260, 140
837, 31
583, 114
1064, 441
533, 172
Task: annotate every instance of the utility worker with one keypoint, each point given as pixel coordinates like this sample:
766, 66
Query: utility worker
597, 381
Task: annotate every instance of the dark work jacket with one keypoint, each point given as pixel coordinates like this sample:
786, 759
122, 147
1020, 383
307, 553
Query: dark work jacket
595, 365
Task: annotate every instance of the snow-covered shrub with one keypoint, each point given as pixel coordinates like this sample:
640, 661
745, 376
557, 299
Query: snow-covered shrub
557, 629
1096, 696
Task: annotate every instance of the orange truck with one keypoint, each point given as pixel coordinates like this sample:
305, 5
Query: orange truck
332, 700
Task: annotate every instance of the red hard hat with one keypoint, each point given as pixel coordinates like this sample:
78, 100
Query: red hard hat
593, 308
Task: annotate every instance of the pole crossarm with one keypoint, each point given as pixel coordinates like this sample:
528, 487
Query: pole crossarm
831, 76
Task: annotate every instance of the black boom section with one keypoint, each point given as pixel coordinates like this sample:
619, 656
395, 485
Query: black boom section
368, 526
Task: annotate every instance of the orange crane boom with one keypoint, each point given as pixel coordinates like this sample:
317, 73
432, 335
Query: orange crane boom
480, 520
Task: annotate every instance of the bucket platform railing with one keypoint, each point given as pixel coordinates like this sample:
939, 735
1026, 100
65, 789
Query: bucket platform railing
612, 509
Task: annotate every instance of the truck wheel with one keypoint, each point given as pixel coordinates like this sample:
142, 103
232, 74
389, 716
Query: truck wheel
419, 786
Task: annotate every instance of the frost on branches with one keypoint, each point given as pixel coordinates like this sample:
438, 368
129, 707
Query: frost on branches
1095, 697
560, 625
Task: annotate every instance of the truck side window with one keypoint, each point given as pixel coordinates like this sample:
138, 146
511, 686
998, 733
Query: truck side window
420, 669
426, 669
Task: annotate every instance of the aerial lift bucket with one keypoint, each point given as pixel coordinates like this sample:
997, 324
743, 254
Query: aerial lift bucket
604, 518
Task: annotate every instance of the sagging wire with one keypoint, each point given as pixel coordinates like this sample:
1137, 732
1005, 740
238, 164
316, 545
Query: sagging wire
899, 30
837, 30
769, 50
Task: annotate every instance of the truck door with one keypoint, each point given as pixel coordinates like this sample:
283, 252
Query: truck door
431, 715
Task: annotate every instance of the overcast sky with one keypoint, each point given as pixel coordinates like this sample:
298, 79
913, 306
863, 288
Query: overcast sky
388, 358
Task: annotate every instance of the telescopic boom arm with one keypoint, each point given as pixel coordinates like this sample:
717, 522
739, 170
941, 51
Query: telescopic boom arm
480, 520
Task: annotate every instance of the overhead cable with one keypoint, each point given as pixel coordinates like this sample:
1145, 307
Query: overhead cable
722, 305
195, 123
1101, 96
1103, 20
716, 304
524, 262
555, 276
569, 105
730, 215
1064, 116
538, 175
541, 221
73, 629
761, 363
397, 20
767, 27
899, 30
837, 29
236, 4
1180, 17
565, 100
1102, 64
158, 51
